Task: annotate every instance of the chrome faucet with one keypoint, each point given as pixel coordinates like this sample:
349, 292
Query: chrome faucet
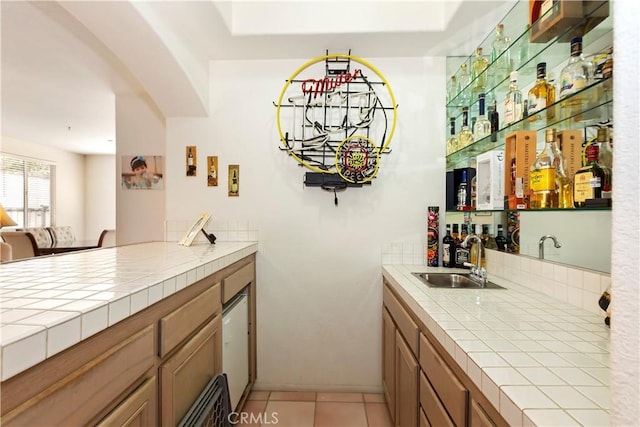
478, 273
541, 244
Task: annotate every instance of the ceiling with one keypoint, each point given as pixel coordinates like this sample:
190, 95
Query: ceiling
64, 63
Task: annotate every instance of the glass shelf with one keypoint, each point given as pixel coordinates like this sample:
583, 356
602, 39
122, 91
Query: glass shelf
524, 57
532, 210
588, 112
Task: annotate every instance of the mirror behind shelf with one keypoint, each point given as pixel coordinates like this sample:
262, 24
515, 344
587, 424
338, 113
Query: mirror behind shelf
584, 236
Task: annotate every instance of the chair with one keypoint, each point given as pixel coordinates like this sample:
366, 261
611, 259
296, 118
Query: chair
23, 244
62, 234
41, 234
107, 239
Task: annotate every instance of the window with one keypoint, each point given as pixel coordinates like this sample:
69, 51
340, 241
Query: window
26, 190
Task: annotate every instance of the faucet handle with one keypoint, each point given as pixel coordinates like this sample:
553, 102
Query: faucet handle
468, 264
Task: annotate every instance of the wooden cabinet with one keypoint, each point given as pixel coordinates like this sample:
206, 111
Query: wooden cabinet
137, 410
187, 372
423, 385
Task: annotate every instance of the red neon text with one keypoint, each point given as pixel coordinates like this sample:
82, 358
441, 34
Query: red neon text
328, 84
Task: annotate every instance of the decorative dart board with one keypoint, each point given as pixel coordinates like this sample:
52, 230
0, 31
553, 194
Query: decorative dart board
336, 116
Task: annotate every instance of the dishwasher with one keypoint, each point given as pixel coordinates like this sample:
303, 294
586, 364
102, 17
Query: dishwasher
235, 346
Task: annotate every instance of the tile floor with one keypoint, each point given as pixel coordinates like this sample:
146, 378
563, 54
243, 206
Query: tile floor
311, 409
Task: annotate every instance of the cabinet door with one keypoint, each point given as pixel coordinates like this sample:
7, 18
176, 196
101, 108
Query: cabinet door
407, 371
137, 410
479, 418
185, 374
388, 361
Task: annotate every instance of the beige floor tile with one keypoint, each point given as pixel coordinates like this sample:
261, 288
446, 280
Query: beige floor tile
373, 397
289, 414
339, 397
378, 415
252, 413
340, 414
258, 395
295, 396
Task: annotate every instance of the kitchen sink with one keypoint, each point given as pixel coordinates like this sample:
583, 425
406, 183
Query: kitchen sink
453, 280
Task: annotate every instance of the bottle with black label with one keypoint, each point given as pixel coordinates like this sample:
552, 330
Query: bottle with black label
462, 254
448, 246
501, 241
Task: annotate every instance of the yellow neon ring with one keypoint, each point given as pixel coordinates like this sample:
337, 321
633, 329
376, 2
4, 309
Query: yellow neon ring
375, 171
322, 58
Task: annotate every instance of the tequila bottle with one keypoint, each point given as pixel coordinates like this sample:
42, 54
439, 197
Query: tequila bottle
500, 56
541, 94
482, 126
452, 142
464, 91
542, 176
452, 89
575, 76
513, 101
478, 74
465, 137
564, 183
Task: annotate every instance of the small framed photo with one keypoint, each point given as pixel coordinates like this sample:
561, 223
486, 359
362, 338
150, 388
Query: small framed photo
193, 231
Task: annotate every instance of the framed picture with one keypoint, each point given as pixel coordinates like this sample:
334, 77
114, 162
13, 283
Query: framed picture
142, 172
193, 231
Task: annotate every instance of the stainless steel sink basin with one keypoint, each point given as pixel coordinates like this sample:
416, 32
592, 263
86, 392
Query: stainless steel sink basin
453, 280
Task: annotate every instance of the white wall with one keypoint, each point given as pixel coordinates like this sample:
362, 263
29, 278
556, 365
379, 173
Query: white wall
70, 185
100, 197
319, 286
139, 131
625, 269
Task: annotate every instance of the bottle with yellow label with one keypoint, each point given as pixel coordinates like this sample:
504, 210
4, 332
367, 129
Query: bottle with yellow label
542, 177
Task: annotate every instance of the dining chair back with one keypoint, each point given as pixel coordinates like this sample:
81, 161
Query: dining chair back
23, 244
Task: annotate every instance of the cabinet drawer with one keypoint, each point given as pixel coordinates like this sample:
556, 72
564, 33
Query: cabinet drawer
406, 325
139, 409
431, 405
451, 391
91, 388
180, 323
237, 281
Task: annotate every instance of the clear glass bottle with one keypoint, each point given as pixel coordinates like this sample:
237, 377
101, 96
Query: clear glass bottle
452, 89
575, 76
513, 101
540, 95
564, 183
482, 126
524, 64
606, 152
464, 91
592, 180
478, 74
462, 192
465, 137
500, 55
452, 142
542, 176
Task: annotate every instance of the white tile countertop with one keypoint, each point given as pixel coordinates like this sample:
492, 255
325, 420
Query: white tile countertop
48, 304
540, 361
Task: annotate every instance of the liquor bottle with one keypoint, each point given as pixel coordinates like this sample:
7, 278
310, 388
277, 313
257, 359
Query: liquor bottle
465, 137
575, 76
591, 180
540, 95
607, 70
462, 254
478, 74
462, 192
542, 177
452, 89
473, 250
464, 79
513, 101
491, 239
447, 245
564, 183
494, 120
452, 142
482, 127
474, 192
606, 153
500, 56
524, 63
454, 248
484, 238
501, 241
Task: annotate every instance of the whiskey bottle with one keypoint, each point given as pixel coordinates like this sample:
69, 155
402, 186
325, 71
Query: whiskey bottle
541, 95
448, 244
501, 241
478, 74
452, 142
513, 101
564, 183
591, 180
500, 55
482, 126
462, 254
494, 120
542, 177
575, 76
465, 137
